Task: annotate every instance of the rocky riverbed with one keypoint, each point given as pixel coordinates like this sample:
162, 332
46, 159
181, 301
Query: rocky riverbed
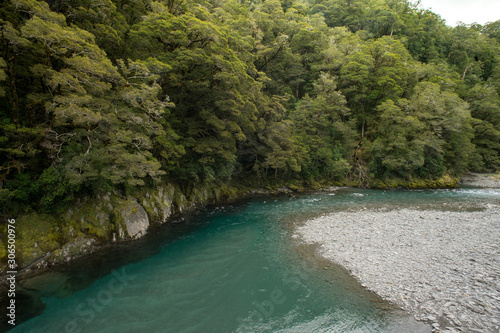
441, 266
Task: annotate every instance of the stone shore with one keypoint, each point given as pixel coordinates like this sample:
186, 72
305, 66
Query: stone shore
441, 266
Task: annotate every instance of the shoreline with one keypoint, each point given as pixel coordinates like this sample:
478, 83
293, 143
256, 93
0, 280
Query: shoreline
334, 273
170, 212
136, 214
440, 266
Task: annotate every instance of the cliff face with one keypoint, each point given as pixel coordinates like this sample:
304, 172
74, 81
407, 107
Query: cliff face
44, 240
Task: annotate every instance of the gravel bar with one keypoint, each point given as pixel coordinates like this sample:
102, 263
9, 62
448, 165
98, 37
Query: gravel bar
441, 266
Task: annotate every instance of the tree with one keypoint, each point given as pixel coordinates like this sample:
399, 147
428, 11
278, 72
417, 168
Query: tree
448, 126
379, 70
323, 131
87, 119
484, 104
276, 147
101, 18
492, 30
202, 65
399, 149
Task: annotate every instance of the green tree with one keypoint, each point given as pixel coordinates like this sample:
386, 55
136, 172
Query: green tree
274, 146
322, 129
492, 30
101, 18
202, 65
400, 147
484, 104
84, 116
448, 126
379, 70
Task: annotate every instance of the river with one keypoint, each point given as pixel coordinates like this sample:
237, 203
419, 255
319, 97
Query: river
234, 268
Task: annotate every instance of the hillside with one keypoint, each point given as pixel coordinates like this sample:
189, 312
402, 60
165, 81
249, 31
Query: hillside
100, 96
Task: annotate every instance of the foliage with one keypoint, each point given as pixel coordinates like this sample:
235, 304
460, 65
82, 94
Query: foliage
116, 94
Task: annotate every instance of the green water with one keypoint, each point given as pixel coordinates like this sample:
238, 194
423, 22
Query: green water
232, 269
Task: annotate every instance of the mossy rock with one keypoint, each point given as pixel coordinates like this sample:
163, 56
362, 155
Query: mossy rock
130, 218
414, 184
201, 195
36, 235
229, 193
180, 200
46, 284
158, 202
294, 187
73, 248
449, 182
91, 217
379, 184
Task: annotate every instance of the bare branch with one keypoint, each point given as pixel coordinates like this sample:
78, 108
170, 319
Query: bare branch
90, 145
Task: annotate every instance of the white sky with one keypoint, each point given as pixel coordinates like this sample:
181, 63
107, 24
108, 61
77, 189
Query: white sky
467, 11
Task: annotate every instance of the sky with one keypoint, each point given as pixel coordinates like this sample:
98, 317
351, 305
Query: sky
467, 11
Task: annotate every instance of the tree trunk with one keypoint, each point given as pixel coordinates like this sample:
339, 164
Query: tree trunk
465, 72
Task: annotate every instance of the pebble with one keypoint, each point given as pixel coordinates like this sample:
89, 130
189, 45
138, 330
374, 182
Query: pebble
441, 266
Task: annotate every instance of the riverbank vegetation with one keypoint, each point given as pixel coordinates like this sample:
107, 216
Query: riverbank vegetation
115, 95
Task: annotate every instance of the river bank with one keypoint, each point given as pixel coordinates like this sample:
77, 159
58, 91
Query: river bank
92, 223
298, 208
227, 268
440, 266
99, 224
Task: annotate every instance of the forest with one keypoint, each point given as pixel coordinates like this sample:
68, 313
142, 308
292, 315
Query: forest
112, 95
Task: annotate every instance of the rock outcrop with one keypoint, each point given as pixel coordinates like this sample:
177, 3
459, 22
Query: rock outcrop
92, 222
133, 221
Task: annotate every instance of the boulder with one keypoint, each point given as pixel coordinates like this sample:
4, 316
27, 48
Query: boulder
132, 218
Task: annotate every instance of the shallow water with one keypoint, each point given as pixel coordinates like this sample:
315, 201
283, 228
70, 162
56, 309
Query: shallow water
232, 269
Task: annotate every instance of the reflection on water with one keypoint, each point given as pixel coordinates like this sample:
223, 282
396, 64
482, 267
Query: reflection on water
232, 269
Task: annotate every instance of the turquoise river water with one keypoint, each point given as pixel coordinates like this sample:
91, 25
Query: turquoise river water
232, 269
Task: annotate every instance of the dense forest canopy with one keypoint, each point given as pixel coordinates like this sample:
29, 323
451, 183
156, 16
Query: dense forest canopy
100, 95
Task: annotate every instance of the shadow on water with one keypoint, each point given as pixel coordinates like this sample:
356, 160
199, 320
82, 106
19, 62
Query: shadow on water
65, 279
